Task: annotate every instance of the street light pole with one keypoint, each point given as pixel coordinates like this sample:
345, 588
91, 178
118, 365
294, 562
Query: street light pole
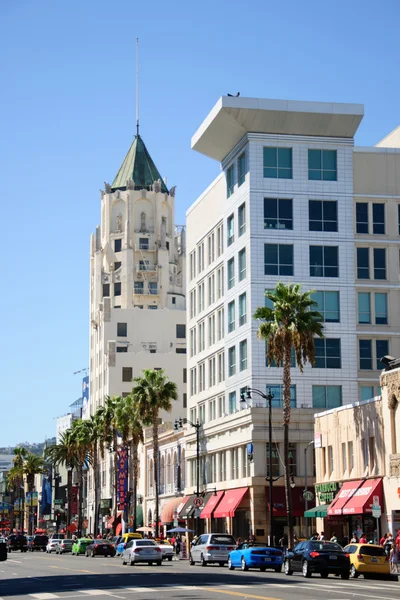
305, 486
268, 397
177, 426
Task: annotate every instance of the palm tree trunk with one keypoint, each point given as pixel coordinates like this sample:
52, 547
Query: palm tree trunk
69, 497
286, 421
96, 488
156, 450
134, 455
80, 494
115, 442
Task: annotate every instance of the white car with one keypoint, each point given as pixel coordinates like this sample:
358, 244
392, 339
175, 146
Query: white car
142, 551
167, 549
212, 548
51, 546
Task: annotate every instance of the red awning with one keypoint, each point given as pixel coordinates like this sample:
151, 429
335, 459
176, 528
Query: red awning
229, 503
183, 504
344, 494
279, 501
361, 501
170, 507
211, 505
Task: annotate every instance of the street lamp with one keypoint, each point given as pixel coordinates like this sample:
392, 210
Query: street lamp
178, 426
268, 397
306, 493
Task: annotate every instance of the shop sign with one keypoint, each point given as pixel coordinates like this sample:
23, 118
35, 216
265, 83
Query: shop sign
122, 489
326, 492
317, 440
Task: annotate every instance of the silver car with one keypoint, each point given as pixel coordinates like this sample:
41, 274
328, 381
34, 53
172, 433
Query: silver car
212, 548
64, 546
137, 551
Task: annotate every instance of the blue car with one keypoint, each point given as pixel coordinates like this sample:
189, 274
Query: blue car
256, 555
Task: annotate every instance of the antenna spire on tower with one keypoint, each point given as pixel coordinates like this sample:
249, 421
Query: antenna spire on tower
137, 86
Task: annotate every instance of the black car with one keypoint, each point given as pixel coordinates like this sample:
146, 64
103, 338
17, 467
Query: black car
39, 542
100, 548
318, 557
17, 541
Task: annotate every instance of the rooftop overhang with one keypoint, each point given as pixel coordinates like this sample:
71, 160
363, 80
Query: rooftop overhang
231, 118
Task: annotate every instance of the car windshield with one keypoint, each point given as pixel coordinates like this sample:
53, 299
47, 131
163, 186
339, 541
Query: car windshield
145, 543
227, 540
41, 538
101, 542
372, 551
327, 546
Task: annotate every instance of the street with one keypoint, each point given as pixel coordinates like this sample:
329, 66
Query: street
46, 577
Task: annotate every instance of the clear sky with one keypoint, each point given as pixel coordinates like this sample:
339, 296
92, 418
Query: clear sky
67, 118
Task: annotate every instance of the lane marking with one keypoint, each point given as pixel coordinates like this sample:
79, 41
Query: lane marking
44, 596
76, 570
12, 560
240, 594
325, 588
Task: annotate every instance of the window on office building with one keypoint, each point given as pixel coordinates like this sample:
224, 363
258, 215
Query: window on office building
230, 180
231, 361
231, 273
242, 309
211, 330
365, 351
322, 215
327, 353
379, 263
322, 165
230, 230
364, 307
221, 367
324, 261
381, 311
366, 392
232, 402
127, 374
326, 396
241, 169
378, 218
278, 213
211, 371
181, 331
122, 329
106, 289
382, 349
242, 219
242, 264
243, 355
363, 263
278, 163
202, 377
277, 391
220, 323
361, 217
231, 316
220, 240
118, 245
278, 259
328, 305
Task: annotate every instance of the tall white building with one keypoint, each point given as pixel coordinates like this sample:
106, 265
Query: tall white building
137, 292
283, 209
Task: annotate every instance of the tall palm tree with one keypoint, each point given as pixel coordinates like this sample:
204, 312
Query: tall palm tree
17, 479
80, 439
154, 392
64, 453
108, 427
33, 465
291, 322
94, 427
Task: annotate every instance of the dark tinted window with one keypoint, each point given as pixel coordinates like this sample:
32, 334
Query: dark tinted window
145, 543
372, 551
326, 546
362, 217
350, 549
222, 539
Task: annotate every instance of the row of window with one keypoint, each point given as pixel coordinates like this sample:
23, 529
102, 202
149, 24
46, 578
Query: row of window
221, 466
122, 330
215, 247
240, 168
322, 214
332, 463
230, 225
324, 261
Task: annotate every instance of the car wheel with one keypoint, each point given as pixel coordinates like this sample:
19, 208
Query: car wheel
263, 569
221, 564
345, 575
132, 563
353, 572
244, 565
286, 568
203, 562
150, 563
123, 562
191, 561
324, 574
278, 569
305, 569
159, 563
170, 558
230, 565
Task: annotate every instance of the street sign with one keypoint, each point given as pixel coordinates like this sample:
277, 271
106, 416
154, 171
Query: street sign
58, 501
375, 500
197, 513
307, 495
198, 502
376, 511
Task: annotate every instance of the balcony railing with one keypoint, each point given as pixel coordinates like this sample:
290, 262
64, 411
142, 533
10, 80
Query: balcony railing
145, 292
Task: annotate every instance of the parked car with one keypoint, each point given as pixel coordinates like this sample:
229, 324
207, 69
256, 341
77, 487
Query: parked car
3, 549
127, 537
39, 542
100, 548
64, 546
212, 548
52, 546
79, 546
318, 557
17, 541
167, 549
117, 539
257, 555
142, 551
368, 560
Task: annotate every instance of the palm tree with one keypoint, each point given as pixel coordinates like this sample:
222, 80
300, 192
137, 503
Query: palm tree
64, 453
153, 392
33, 465
16, 478
109, 433
94, 427
290, 323
80, 439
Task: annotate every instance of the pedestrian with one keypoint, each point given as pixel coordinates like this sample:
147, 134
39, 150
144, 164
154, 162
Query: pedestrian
383, 539
333, 538
354, 539
238, 542
314, 537
363, 539
321, 536
177, 546
394, 559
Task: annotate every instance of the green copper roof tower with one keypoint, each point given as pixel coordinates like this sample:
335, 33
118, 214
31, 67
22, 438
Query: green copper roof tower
139, 166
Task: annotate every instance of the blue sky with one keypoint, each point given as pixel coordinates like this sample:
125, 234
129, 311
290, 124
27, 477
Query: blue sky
67, 118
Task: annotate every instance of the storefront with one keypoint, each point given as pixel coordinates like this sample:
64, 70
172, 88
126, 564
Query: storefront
280, 512
325, 494
352, 506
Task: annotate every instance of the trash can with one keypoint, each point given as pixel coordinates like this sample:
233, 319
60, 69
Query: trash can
3, 551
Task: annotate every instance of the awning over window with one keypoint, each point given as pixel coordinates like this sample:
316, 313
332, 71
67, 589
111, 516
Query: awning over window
192, 512
279, 501
167, 513
347, 490
320, 511
229, 503
211, 505
182, 505
187, 508
361, 501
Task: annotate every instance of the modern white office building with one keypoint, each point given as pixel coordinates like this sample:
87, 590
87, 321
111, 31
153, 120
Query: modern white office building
137, 293
295, 202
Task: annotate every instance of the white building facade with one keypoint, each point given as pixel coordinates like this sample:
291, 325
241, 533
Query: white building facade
137, 293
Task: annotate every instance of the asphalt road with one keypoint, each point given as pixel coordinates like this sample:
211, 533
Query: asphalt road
47, 577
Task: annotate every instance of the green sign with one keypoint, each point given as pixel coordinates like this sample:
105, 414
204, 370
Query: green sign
326, 492
59, 502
